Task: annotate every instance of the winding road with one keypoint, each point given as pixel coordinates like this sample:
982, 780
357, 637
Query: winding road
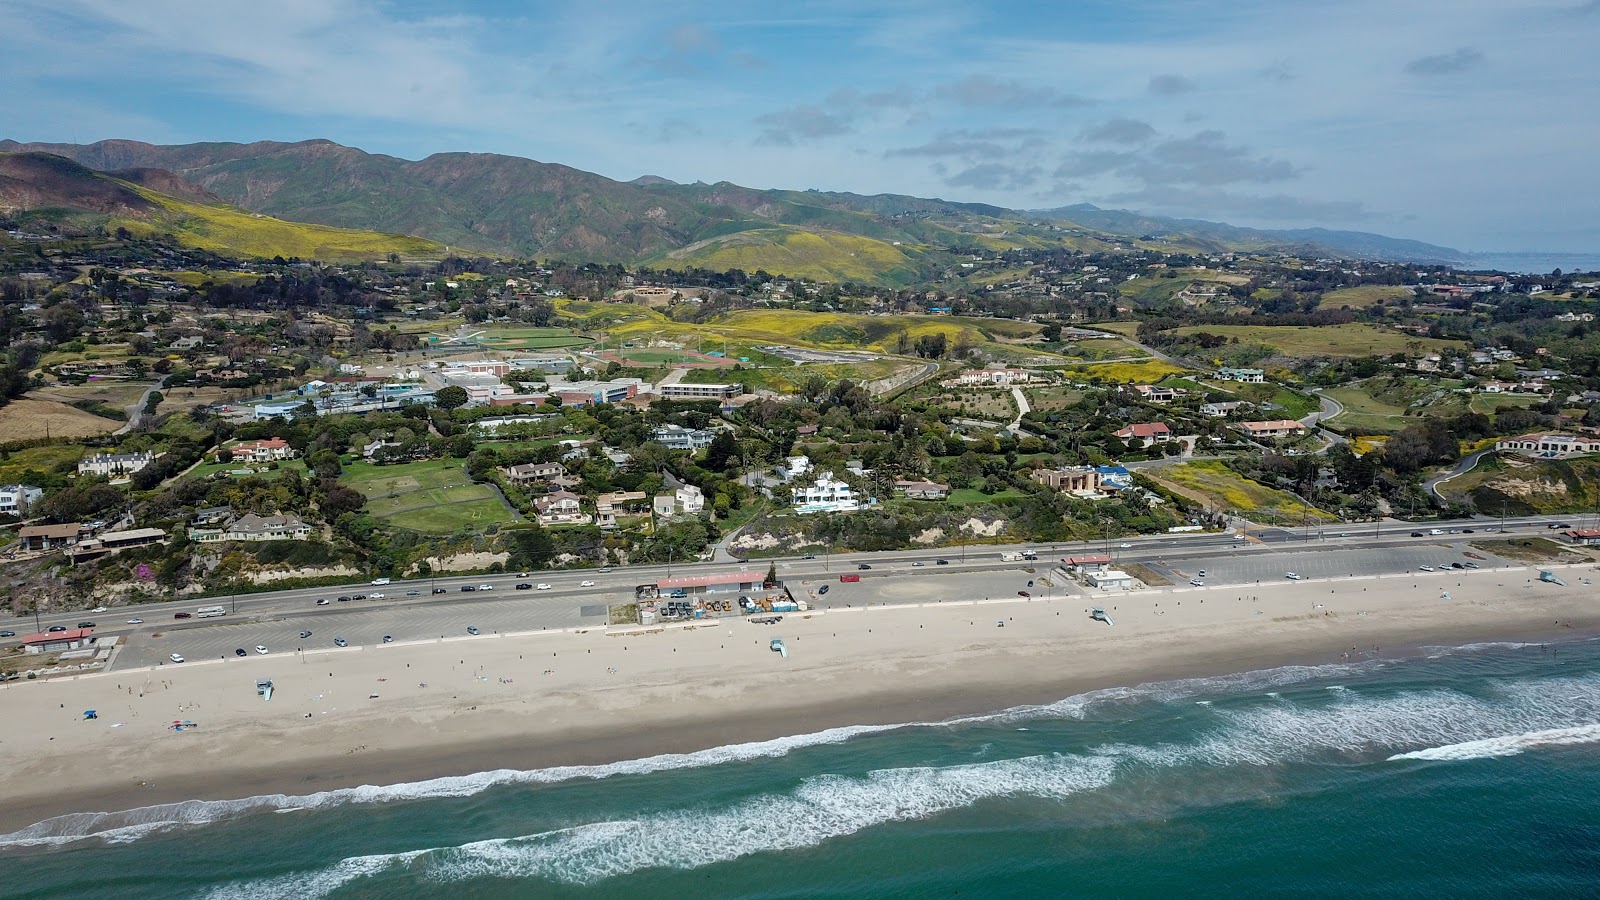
1461, 468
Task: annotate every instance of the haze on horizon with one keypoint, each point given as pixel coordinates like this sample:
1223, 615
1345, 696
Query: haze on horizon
1466, 123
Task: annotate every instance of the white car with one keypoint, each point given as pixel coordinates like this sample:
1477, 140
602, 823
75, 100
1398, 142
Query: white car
1125, 546
98, 609
261, 649
585, 584
374, 596
541, 586
136, 621
380, 581
485, 587
175, 658
1435, 531
1291, 576
1425, 568
1197, 582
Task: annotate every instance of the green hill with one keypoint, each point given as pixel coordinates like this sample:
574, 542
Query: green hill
40, 186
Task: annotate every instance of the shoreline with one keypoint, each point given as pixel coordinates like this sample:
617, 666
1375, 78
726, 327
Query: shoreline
885, 667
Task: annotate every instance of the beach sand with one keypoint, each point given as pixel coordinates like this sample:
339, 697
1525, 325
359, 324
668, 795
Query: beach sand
412, 711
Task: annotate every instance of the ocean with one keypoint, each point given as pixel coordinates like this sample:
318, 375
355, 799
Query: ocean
1469, 772
1531, 263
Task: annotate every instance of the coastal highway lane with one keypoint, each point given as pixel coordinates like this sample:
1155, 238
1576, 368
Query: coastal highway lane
618, 583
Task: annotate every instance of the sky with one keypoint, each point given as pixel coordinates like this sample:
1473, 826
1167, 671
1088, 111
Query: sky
1467, 123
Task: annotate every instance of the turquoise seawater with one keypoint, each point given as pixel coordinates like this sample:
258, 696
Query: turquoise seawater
1463, 772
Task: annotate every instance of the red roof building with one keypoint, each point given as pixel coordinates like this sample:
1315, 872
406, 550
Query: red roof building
57, 641
1150, 431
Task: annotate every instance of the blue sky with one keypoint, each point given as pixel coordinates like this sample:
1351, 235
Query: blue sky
1469, 123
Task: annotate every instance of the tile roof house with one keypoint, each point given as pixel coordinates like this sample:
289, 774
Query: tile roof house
561, 508
1274, 428
1149, 431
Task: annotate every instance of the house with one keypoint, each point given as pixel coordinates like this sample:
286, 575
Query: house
922, 490
683, 391
689, 499
187, 343
1274, 428
1150, 432
560, 508
664, 506
17, 499
1248, 376
1151, 393
1223, 407
251, 527
270, 450
1070, 480
212, 515
1551, 445
1109, 579
372, 450
805, 430
826, 495
795, 466
532, 472
677, 437
996, 377
605, 515
49, 537
623, 500
112, 541
112, 465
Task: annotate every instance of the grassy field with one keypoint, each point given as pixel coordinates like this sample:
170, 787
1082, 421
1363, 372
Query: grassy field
1223, 488
201, 276
797, 253
226, 229
258, 470
109, 393
54, 458
1489, 404
93, 353
1366, 413
970, 496
1387, 403
1363, 296
1126, 329
1527, 486
1337, 340
1140, 372
788, 379
27, 419
1052, 398
430, 496
530, 338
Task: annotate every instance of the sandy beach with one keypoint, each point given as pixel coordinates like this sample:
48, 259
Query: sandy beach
411, 711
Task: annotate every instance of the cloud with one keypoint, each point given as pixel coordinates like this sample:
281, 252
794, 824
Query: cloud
994, 177
801, 121
988, 92
896, 97
1120, 131
1223, 205
1171, 85
1460, 60
1205, 158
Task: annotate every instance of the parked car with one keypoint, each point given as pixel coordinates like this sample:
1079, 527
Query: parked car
1023, 594
1197, 582
1472, 565
472, 629
1425, 568
183, 615
175, 657
262, 649
822, 590
340, 642
1202, 573
1457, 566
542, 586
239, 651
304, 634
388, 639
1291, 576
585, 584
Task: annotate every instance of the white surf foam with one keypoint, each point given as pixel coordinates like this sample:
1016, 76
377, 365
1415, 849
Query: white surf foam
1507, 745
820, 808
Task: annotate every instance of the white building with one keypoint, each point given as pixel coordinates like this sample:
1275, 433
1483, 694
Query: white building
689, 499
1248, 376
684, 391
113, 464
826, 495
17, 499
677, 437
1001, 377
1549, 445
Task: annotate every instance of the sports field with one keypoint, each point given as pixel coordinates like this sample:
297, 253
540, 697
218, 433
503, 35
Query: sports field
432, 495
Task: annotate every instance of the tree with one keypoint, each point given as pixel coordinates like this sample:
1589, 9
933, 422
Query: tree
723, 453
450, 397
772, 574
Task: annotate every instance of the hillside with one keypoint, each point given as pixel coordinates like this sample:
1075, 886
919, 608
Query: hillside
494, 204
39, 186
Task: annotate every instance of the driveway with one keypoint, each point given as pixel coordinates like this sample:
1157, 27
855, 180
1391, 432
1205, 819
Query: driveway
1461, 468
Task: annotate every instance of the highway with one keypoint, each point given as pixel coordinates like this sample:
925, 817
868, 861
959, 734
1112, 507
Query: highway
410, 611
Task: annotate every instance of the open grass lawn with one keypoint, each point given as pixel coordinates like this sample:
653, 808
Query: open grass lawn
1224, 488
1127, 329
1365, 413
431, 495
1363, 296
1052, 398
54, 458
1337, 340
92, 353
27, 419
969, 496
256, 470
1489, 404
108, 392
530, 338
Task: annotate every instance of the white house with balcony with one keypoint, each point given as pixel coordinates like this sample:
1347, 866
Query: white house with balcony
826, 495
17, 499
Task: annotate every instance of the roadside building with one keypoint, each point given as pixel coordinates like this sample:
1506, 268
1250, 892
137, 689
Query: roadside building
1586, 537
1273, 428
1549, 445
58, 641
1110, 579
826, 495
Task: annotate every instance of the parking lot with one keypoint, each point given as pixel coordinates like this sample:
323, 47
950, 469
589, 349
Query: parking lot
1252, 566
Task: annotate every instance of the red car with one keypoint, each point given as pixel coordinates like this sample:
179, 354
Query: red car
1023, 594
